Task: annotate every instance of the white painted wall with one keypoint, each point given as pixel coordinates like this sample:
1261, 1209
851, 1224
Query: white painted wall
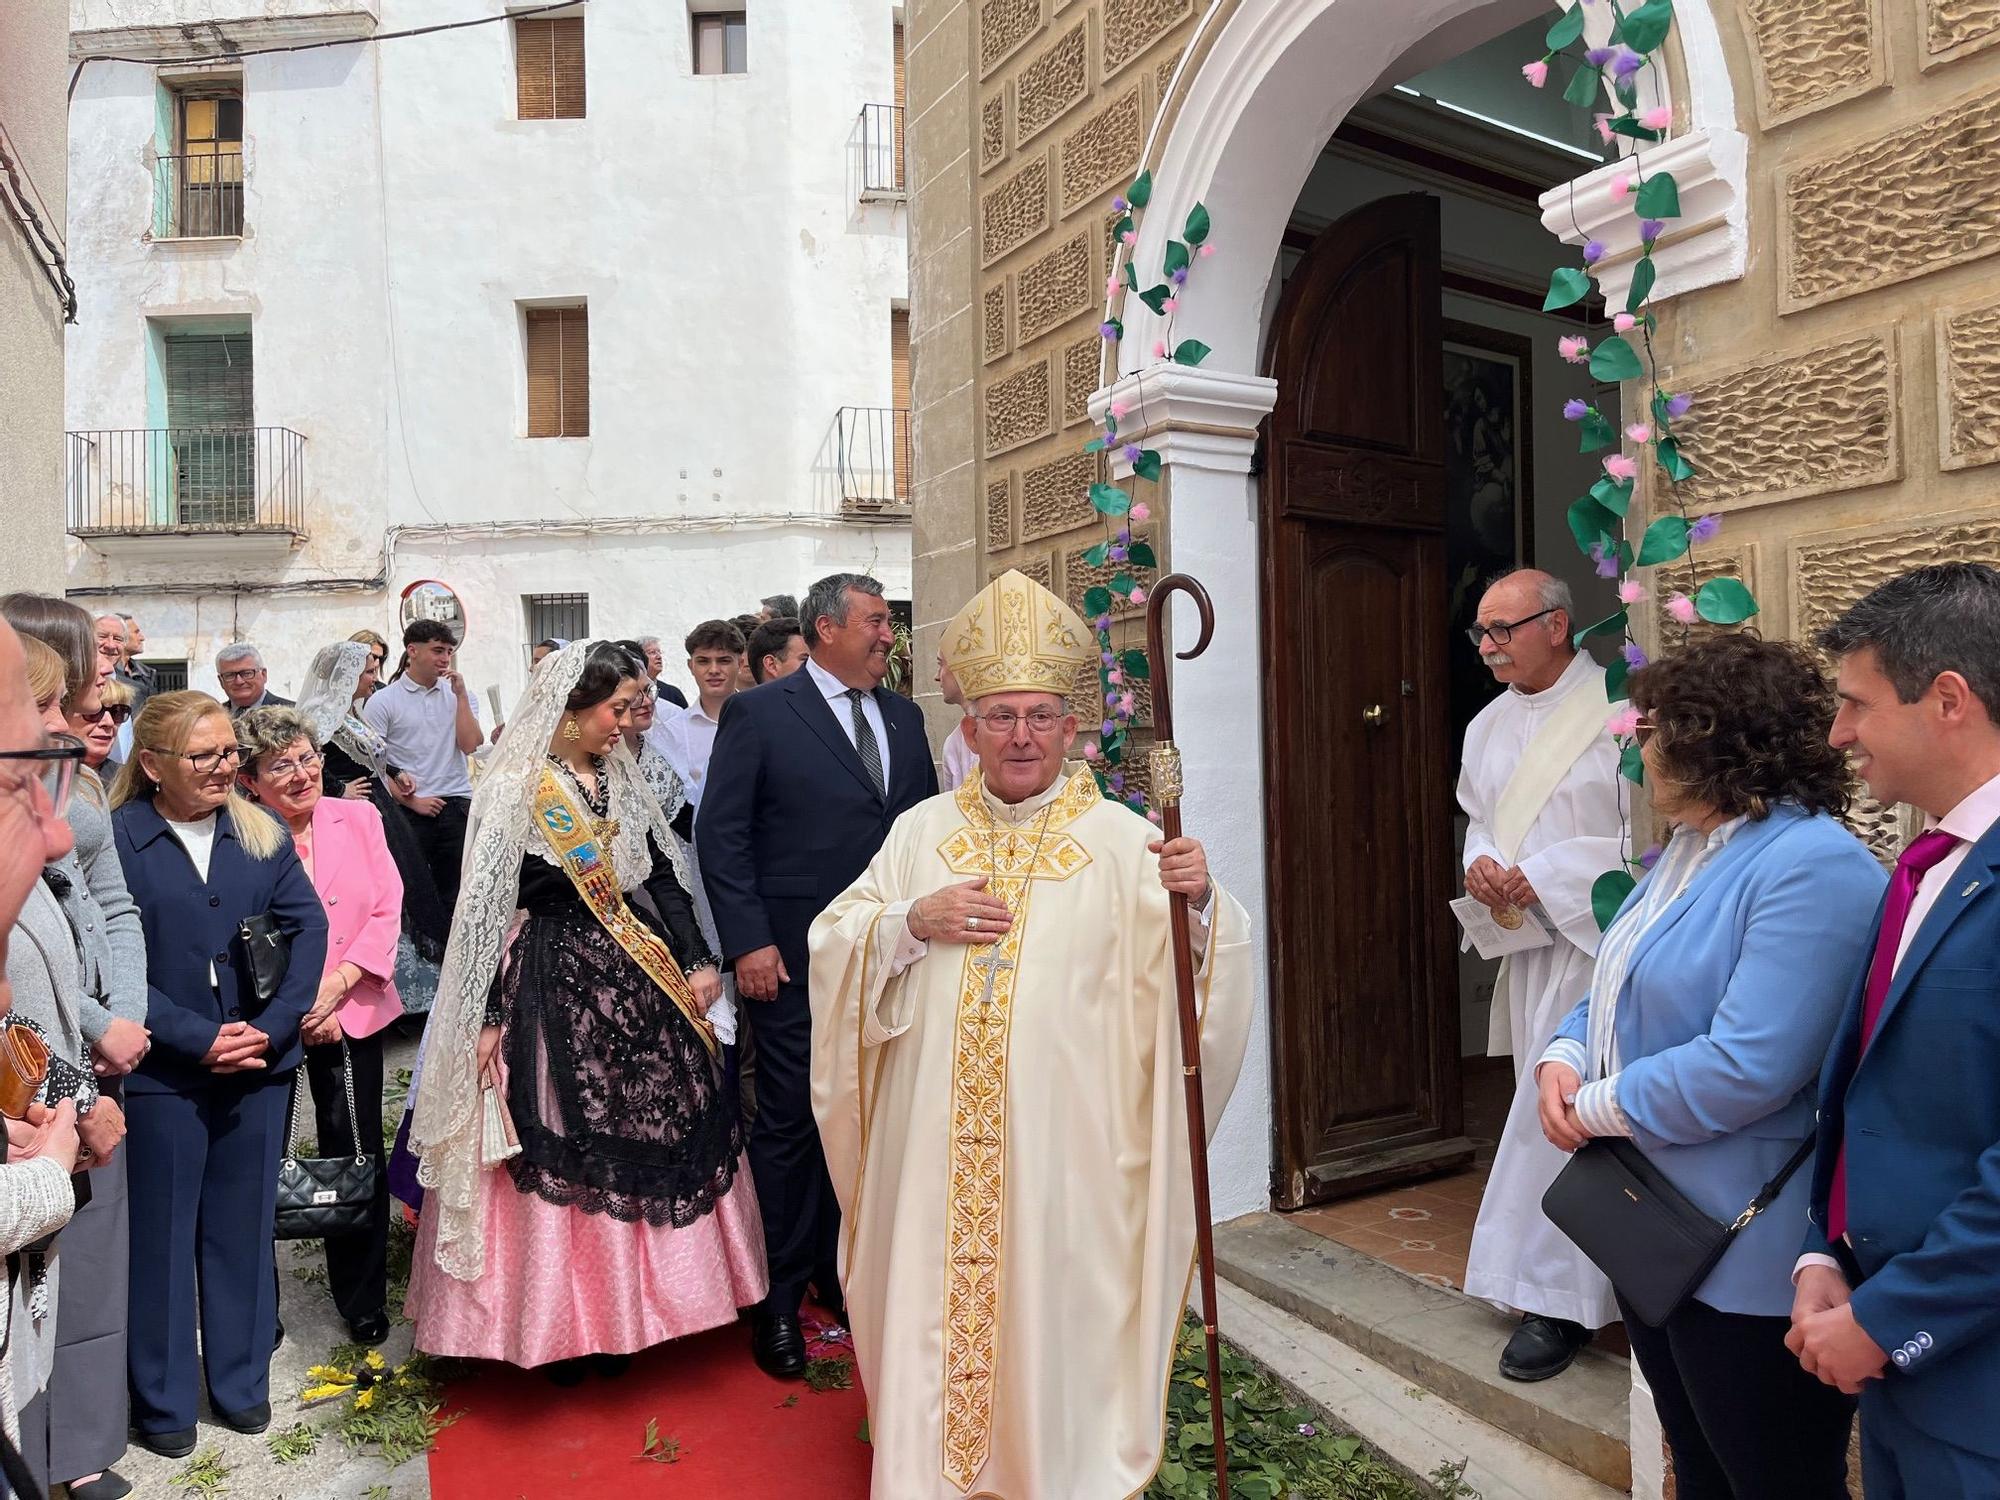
397, 215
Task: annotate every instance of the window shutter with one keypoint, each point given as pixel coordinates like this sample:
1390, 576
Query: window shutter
708, 44
899, 388
534, 70
567, 54
208, 380
544, 372
897, 124
575, 371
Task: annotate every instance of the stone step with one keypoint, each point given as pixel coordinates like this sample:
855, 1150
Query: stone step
1445, 1343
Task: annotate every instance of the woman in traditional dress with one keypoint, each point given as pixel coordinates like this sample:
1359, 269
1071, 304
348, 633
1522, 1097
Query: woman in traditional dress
627, 1216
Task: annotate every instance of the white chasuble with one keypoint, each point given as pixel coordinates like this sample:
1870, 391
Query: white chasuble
1519, 1259
1006, 1129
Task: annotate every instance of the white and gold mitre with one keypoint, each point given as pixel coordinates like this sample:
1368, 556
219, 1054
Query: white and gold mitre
1016, 637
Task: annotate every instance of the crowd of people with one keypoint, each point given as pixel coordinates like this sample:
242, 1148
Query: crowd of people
735, 1015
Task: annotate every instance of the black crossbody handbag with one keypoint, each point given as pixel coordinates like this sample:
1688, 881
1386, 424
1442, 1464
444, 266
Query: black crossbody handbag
1640, 1230
320, 1196
267, 951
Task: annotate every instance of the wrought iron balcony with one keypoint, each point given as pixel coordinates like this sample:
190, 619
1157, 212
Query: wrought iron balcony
182, 481
198, 196
871, 452
881, 138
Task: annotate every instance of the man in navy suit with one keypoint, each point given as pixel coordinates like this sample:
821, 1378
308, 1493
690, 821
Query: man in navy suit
1899, 1290
807, 774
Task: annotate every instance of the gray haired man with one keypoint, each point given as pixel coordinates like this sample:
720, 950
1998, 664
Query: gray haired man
239, 667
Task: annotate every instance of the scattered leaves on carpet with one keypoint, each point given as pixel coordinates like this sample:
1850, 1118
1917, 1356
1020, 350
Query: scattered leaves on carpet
657, 1449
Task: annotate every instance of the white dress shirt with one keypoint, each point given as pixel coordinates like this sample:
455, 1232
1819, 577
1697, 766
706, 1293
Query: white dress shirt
959, 758
686, 737
835, 692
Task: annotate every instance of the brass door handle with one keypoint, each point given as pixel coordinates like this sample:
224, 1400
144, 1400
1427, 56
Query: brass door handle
1372, 716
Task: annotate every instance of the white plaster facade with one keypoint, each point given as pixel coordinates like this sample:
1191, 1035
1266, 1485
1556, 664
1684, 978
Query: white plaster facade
398, 218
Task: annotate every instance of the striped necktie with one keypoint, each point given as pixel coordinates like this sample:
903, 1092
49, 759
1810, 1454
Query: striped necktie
864, 744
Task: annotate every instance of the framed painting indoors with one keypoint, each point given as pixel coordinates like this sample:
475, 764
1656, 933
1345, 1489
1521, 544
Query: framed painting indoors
1489, 489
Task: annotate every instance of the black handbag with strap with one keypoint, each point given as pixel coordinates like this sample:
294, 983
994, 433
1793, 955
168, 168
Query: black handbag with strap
1640, 1230
267, 952
321, 1196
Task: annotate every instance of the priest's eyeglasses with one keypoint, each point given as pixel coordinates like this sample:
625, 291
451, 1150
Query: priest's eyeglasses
57, 761
1004, 721
1502, 633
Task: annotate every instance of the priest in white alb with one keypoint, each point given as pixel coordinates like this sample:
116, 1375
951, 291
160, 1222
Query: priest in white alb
1541, 791
997, 1077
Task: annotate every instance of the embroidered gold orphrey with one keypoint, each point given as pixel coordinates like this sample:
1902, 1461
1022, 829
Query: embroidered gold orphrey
1013, 859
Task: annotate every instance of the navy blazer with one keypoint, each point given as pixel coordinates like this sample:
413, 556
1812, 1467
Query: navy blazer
1920, 1116
190, 923
789, 818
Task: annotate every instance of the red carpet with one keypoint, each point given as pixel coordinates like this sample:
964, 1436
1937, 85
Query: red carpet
742, 1435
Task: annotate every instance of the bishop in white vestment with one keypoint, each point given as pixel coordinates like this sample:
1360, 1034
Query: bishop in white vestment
997, 1079
1541, 789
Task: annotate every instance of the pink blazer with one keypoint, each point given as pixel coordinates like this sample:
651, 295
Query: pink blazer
362, 892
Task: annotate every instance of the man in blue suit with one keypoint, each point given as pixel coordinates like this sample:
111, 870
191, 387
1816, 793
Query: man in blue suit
807, 774
1899, 1290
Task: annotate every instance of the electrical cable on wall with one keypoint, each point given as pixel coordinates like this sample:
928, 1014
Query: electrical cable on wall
42, 246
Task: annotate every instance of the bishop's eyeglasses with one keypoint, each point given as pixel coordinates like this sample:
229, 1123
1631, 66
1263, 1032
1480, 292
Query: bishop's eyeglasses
1502, 633
1004, 721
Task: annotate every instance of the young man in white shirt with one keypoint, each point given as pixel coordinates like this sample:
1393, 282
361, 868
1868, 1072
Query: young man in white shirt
715, 656
430, 721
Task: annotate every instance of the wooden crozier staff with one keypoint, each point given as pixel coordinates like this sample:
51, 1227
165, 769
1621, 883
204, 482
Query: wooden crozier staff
1165, 762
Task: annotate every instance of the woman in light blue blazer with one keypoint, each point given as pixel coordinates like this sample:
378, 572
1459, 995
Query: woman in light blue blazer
1716, 993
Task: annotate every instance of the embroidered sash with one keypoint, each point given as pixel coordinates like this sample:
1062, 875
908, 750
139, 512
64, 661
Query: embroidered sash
582, 844
1549, 758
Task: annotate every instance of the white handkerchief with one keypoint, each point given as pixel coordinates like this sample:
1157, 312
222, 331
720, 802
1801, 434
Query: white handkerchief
1490, 938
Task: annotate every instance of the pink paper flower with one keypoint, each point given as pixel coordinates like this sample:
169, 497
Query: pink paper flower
1207, 249
1631, 591
1170, 304
1619, 187
1658, 118
1536, 72
1129, 237
1639, 432
1119, 409
1604, 131
1625, 723
1573, 347
1624, 322
1111, 285
1681, 609
1621, 466
1160, 349
1142, 512
1138, 596
1114, 677
1153, 818
1090, 749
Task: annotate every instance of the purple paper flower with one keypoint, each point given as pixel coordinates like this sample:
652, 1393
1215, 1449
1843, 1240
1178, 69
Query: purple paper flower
1651, 229
1104, 622
1116, 554
1106, 657
1626, 63
1597, 57
1117, 782
1635, 657
1108, 728
1179, 278
1651, 857
1120, 204
1108, 329
1593, 252
1704, 529
1606, 560
1678, 405
1133, 452
1575, 409
1306, 1429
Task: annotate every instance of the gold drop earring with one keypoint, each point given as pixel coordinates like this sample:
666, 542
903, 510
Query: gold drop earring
570, 731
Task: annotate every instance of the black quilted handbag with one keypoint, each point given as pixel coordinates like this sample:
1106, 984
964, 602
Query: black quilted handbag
320, 1196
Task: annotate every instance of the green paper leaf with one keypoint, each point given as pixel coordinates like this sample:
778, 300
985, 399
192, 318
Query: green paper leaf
1156, 297
1583, 87
1724, 601
1177, 258
1659, 197
1119, 229
1590, 522
1665, 540
1615, 676
1661, 415
1109, 500
1608, 894
1136, 665
1568, 27
1096, 555
1140, 193
1131, 276
1197, 225
1629, 125
1191, 352
1143, 556
1096, 601
1669, 452
1615, 495
1567, 287
1613, 624
1597, 432
1123, 584
1632, 765
1148, 465
1643, 276
1614, 359
1626, 91
1096, 445
1646, 27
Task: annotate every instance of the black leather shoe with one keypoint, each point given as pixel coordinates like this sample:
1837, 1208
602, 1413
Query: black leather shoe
253, 1419
566, 1372
110, 1485
1542, 1348
278, 1338
370, 1330
178, 1443
777, 1344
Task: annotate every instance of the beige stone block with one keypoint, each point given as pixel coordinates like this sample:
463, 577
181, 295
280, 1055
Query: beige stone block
924, 15
940, 283
945, 431
1055, 495
942, 361
1958, 28
938, 137
1968, 358
943, 581
1005, 27
1056, 286
941, 210
998, 513
1053, 82
1103, 152
1079, 576
1811, 54
1082, 371
1131, 26
942, 516
1018, 408
1014, 210
993, 130
936, 64
1039, 566
995, 342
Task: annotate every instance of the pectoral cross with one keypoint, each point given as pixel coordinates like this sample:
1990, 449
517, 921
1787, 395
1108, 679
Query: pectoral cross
992, 963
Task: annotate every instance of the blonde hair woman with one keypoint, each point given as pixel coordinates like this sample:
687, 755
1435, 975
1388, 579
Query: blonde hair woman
207, 1106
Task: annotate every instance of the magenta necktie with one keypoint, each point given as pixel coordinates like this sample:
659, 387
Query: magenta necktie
1917, 861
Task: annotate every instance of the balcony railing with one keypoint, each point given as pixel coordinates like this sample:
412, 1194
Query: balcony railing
872, 459
139, 480
198, 196
882, 149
